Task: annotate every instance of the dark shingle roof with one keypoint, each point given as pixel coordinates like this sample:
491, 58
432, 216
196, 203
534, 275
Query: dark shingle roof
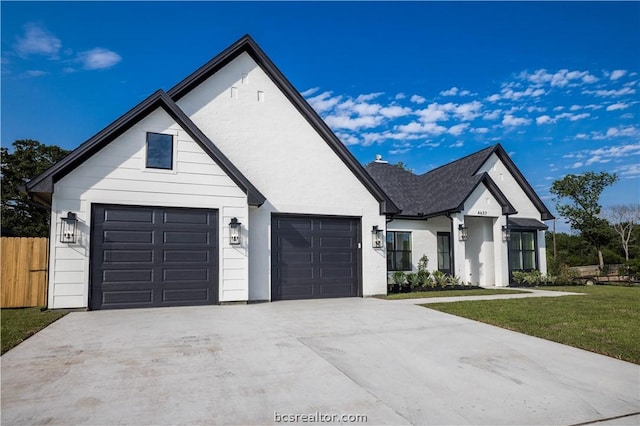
445, 189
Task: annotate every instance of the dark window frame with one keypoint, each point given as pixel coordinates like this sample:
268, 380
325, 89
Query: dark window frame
170, 160
516, 235
448, 252
393, 251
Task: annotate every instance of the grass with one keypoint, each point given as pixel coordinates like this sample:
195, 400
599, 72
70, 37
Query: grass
19, 324
449, 293
606, 320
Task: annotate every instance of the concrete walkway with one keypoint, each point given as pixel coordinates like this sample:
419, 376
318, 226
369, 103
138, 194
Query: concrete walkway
530, 293
394, 363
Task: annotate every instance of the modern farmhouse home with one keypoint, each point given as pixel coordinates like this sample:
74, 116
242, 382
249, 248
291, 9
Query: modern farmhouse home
476, 218
230, 188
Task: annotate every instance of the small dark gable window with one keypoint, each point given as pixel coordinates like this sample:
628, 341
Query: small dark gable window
159, 151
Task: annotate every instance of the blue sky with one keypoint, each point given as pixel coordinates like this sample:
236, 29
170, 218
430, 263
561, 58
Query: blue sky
557, 84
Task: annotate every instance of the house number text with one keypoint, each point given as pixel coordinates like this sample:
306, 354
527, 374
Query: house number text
482, 212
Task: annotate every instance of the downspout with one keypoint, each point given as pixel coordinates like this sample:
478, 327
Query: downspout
452, 252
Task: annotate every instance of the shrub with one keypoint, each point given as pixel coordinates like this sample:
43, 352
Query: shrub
424, 279
423, 263
631, 268
412, 281
440, 278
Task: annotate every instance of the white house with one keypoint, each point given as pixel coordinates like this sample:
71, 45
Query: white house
476, 218
154, 195
230, 188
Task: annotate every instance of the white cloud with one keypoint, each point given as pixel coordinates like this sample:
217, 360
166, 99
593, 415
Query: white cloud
418, 99
571, 116
37, 41
368, 96
560, 78
510, 120
347, 138
493, 98
480, 130
612, 92
457, 144
399, 151
622, 131
395, 111
558, 108
492, 115
435, 112
577, 164
310, 91
575, 107
617, 106
352, 123
468, 111
617, 74
427, 128
98, 58
400, 96
628, 171
324, 102
454, 91
544, 119
458, 129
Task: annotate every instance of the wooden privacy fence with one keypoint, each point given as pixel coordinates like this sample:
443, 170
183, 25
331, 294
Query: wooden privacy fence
23, 273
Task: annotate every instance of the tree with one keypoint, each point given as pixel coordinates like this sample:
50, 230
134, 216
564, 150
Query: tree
623, 218
28, 159
583, 208
403, 166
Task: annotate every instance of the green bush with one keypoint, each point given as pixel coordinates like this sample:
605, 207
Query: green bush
423, 263
412, 281
631, 268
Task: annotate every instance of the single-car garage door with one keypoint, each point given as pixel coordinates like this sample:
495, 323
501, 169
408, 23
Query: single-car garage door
314, 257
153, 256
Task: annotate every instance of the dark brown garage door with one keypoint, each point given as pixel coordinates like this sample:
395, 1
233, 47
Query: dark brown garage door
314, 257
152, 256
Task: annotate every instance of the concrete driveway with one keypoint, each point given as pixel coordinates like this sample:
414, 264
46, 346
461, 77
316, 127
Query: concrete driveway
248, 364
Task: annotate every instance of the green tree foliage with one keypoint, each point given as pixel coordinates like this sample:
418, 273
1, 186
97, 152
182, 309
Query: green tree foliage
28, 159
578, 200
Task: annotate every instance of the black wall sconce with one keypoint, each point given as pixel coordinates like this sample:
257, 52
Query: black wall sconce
376, 237
506, 233
463, 232
234, 232
69, 229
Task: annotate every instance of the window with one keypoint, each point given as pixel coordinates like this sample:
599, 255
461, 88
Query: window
398, 251
522, 251
444, 252
159, 151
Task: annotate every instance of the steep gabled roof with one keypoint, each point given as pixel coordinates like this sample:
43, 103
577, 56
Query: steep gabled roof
41, 187
248, 45
445, 189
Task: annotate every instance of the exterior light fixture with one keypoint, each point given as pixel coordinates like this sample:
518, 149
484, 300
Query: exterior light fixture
376, 237
463, 232
69, 229
234, 232
506, 233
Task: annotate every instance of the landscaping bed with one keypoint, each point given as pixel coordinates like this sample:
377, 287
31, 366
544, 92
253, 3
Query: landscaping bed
452, 292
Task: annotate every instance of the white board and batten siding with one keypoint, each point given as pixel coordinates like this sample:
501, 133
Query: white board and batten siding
117, 175
247, 116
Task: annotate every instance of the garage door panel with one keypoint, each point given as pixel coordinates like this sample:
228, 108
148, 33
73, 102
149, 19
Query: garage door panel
185, 256
129, 215
127, 256
181, 237
128, 236
128, 275
200, 218
185, 275
186, 295
314, 257
128, 298
172, 260
336, 242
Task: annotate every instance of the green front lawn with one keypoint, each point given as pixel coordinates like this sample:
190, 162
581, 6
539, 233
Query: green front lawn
449, 293
606, 320
18, 324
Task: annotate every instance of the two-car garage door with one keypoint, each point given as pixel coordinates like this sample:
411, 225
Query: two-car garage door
153, 256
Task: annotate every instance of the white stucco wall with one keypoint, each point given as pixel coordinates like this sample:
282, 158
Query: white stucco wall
117, 175
244, 113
